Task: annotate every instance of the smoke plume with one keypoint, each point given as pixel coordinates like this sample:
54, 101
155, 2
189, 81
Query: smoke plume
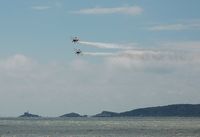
105, 45
149, 55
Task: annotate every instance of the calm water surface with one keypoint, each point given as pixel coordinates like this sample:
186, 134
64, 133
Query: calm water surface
100, 127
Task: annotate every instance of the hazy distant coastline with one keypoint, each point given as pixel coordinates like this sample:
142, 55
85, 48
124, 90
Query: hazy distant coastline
175, 110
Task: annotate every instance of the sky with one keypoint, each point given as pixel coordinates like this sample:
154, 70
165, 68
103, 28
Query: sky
40, 73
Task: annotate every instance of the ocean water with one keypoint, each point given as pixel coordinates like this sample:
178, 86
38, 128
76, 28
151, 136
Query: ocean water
100, 127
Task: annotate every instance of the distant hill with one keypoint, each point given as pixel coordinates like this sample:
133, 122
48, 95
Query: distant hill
177, 110
72, 115
28, 115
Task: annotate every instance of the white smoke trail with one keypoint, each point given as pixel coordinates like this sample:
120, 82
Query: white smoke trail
127, 53
148, 55
98, 54
105, 45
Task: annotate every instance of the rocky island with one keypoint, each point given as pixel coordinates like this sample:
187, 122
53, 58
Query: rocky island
29, 115
72, 115
107, 114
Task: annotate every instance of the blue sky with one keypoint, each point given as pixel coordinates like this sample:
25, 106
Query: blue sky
35, 38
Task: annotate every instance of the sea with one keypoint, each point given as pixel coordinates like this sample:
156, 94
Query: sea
100, 127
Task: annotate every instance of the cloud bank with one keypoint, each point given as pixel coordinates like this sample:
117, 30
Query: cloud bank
116, 83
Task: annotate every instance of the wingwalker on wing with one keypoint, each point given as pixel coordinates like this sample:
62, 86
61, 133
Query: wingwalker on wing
78, 52
75, 40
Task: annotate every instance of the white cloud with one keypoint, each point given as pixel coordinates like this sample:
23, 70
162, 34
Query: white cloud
176, 26
41, 8
131, 10
52, 5
168, 27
